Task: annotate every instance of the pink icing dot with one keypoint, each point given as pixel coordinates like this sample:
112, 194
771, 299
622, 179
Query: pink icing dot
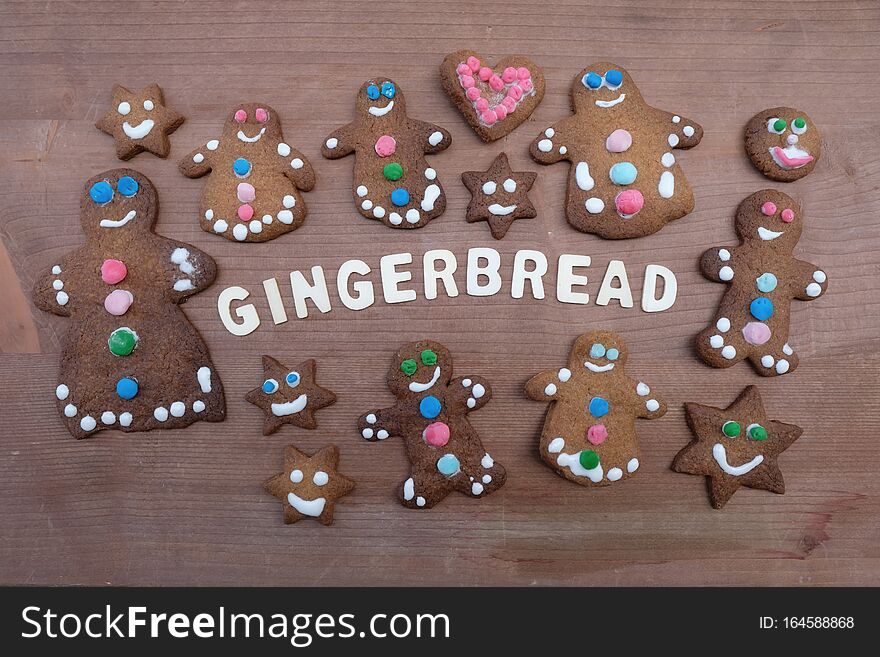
788, 215
526, 84
597, 434
473, 93
261, 115
485, 73
482, 104
769, 208
496, 83
240, 116
515, 92
500, 111
619, 141
629, 202
509, 103
474, 64
436, 434
523, 73
756, 333
463, 69
489, 117
467, 81
245, 212
113, 271
246, 192
385, 146
509, 74
118, 302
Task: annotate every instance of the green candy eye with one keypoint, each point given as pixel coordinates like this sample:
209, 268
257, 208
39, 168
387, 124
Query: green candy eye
756, 432
409, 367
776, 126
429, 357
730, 429
799, 126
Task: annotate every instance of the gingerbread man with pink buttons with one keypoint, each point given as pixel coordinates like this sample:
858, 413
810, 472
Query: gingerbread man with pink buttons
253, 194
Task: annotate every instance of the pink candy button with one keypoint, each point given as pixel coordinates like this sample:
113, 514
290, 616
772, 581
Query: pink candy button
523, 73
619, 141
436, 434
473, 63
629, 202
515, 92
385, 146
768, 209
788, 215
485, 73
245, 212
482, 104
240, 116
756, 333
526, 84
246, 192
500, 111
467, 81
489, 117
509, 74
113, 271
495, 83
463, 69
509, 103
473, 93
597, 434
261, 115
118, 302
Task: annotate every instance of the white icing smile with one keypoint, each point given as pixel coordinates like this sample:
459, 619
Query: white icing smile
138, 131
598, 368
415, 386
501, 210
381, 111
768, 235
117, 223
720, 456
250, 140
790, 157
290, 407
611, 103
312, 508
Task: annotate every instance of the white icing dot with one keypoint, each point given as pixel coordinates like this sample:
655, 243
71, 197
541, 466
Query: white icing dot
487, 461
125, 419
220, 226
676, 119
729, 352
283, 149
209, 214
564, 374
212, 145
633, 465
267, 219
108, 417
62, 391
62, 298
787, 350
723, 324
556, 445
70, 410
487, 479
819, 276
378, 212
395, 219
420, 501
371, 418
642, 389
435, 138
550, 390
476, 488
545, 145
255, 226
814, 289
361, 191
466, 383
723, 255
412, 216
489, 187
367, 433
381, 434
652, 405
614, 474
725, 273
549, 132
667, 160
333, 142
296, 476
430, 174
57, 284
510, 185
123, 108
563, 150
148, 104
478, 390
161, 414
688, 131
782, 366
88, 423
297, 163
285, 217
471, 402
56, 270
198, 406
716, 342
178, 408
673, 140
288, 201
321, 478
594, 205
367, 204
240, 232
767, 361
198, 158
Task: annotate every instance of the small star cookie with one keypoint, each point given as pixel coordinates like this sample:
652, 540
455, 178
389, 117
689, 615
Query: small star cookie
139, 122
499, 195
289, 396
309, 485
735, 446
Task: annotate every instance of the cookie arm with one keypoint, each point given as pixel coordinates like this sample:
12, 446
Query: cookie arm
468, 393
298, 169
648, 405
192, 270
340, 142
547, 385
812, 281
716, 264
546, 147
197, 162
47, 294
432, 137
683, 132
378, 424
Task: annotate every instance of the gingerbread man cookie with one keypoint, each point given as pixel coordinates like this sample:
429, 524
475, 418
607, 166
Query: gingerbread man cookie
253, 193
783, 143
131, 360
753, 318
392, 180
624, 180
430, 415
589, 434
139, 122
499, 195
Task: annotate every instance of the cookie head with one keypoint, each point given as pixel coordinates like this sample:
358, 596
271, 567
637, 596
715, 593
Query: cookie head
771, 218
603, 86
380, 97
597, 352
419, 367
252, 123
118, 200
783, 143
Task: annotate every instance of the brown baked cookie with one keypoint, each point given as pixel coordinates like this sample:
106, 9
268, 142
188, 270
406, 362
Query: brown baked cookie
139, 122
499, 195
494, 100
753, 318
735, 446
253, 194
289, 396
309, 485
589, 434
783, 143
624, 180
392, 180
131, 360
430, 415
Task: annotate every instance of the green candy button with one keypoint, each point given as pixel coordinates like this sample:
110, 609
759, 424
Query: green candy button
429, 357
393, 171
409, 367
757, 432
731, 429
589, 459
779, 125
799, 123
122, 341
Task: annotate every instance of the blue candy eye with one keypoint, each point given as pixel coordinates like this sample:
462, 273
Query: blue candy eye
372, 92
612, 354
613, 78
101, 192
592, 80
127, 186
292, 379
388, 89
270, 386
597, 351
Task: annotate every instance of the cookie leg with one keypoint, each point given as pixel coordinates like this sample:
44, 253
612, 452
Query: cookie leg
424, 489
775, 360
722, 345
482, 478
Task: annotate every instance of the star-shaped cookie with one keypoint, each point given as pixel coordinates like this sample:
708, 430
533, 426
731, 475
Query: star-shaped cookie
499, 195
309, 485
735, 446
289, 396
139, 121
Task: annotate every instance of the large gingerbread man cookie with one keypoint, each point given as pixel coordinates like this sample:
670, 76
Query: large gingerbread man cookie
392, 180
624, 180
589, 434
131, 360
253, 193
430, 415
753, 318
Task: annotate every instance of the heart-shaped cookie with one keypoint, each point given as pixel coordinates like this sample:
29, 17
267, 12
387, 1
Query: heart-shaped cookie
493, 99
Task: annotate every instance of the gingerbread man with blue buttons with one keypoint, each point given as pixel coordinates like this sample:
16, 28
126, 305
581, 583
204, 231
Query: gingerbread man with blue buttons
753, 319
445, 451
589, 434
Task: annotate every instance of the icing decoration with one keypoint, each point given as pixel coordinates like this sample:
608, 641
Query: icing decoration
588, 459
428, 357
113, 271
731, 428
127, 388
766, 282
241, 167
118, 302
429, 407
245, 192
392, 171
505, 93
385, 146
436, 434
270, 386
101, 192
756, 432
618, 141
122, 341
127, 186
409, 367
629, 203
599, 407
787, 215
448, 465
756, 333
597, 434
261, 115
400, 197
761, 308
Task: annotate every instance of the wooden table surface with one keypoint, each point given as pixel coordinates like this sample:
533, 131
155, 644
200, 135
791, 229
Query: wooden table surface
186, 507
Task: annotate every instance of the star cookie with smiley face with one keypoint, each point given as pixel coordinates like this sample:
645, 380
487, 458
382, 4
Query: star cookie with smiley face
499, 195
783, 143
735, 446
289, 396
310, 485
140, 122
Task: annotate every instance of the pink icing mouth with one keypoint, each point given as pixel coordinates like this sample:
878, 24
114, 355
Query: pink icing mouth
786, 162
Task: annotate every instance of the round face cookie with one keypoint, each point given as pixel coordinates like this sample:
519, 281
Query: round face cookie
783, 143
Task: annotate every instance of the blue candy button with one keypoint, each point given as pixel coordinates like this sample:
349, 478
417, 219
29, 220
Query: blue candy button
372, 92
613, 77
400, 197
623, 173
599, 407
448, 465
592, 80
101, 192
766, 282
429, 407
127, 388
612, 354
241, 167
127, 186
597, 350
761, 309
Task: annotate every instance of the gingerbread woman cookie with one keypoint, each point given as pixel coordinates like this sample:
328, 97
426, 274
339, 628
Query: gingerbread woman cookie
589, 434
139, 122
253, 193
392, 180
430, 415
753, 318
131, 360
783, 143
624, 180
